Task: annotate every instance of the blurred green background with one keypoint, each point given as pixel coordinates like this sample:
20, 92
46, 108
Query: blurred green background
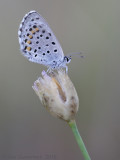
26, 128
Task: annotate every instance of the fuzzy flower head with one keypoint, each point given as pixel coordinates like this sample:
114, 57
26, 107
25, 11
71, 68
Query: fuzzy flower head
57, 94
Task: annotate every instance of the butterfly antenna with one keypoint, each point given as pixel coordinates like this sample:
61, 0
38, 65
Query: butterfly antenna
80, 54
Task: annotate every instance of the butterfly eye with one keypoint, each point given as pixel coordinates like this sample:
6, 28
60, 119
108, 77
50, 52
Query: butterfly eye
65, 58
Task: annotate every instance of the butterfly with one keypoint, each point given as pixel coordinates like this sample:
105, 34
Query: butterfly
39, 44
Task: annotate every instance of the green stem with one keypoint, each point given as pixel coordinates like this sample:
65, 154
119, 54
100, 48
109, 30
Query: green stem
79, 140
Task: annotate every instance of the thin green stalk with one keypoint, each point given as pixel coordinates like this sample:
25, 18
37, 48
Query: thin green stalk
79, 140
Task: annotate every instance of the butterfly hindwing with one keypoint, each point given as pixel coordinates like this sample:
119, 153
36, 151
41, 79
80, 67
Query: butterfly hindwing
37, 41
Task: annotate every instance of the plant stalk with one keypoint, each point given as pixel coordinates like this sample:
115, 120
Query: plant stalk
79, 140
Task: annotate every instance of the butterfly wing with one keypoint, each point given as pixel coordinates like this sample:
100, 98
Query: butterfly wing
37, 41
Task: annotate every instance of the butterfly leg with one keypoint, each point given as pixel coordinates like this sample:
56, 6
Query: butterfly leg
66, 67
49, 70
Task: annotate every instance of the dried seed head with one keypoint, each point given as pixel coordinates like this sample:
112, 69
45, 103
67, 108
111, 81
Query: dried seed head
57, 93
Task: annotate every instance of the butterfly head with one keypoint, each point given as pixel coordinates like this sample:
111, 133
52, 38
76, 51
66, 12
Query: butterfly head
67, 59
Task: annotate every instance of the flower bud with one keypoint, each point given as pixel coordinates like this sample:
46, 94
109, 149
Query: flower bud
57, 94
